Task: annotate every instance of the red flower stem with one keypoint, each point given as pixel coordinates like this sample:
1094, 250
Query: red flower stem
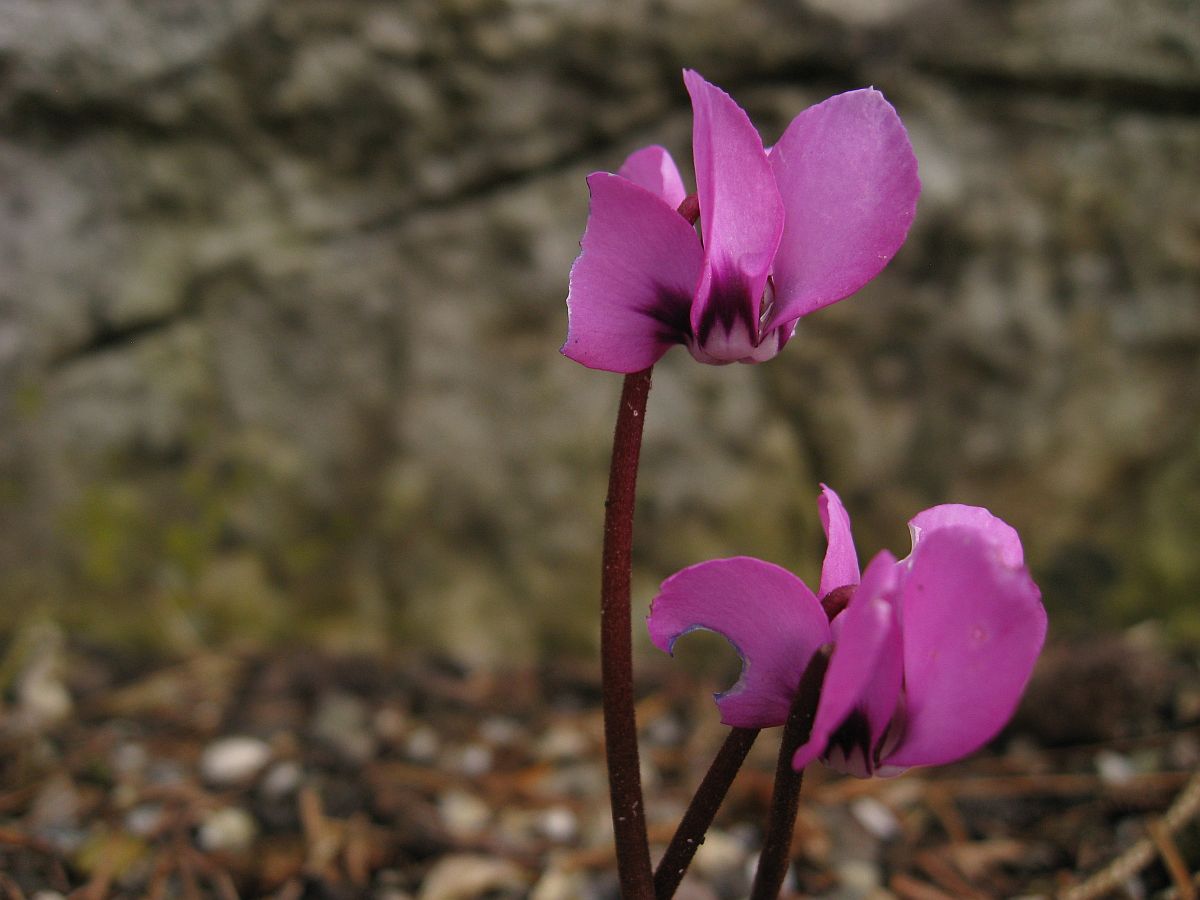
700, 812
785, 799
616, 647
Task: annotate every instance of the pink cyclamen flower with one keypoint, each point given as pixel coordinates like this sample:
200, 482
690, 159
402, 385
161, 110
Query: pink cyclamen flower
930, 656
785, 232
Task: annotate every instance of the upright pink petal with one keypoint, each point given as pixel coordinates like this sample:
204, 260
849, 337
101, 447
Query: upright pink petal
997, 531
848, 178
741, 214
864, 673
653, 168
841, 559
633, 282
768, 614
973, 628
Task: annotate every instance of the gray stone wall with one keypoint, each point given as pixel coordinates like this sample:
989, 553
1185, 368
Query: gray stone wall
282, 281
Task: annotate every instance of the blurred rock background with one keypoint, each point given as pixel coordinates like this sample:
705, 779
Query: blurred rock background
282, 282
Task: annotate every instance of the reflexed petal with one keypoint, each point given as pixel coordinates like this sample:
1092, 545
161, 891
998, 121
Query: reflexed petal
633, 282
841, 559
768, 614
741, 214
653, 168
973, 628
848, 178
865, 670
999, 532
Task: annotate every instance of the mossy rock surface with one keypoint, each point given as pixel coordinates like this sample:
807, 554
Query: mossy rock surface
283, 287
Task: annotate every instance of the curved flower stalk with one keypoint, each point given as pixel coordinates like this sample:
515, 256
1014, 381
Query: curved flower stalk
930, 655
785, 231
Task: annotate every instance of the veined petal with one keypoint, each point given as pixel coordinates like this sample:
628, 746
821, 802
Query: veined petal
848, 178
632, 284
995, 530
841, 559
973, 628
653, 168
741, 213
864, 672
769, 616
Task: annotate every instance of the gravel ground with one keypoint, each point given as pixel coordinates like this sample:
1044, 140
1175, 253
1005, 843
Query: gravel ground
304, 774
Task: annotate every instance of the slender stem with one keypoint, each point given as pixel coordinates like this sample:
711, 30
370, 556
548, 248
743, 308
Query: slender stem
616, 647
785, 800
700, 812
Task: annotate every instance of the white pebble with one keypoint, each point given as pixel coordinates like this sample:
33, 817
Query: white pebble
228, 828
422, 745
474, 760
465, 877
233, 759
144, 820
500, 730
559, 824
720, 854
282, 779
859, 876
1114, 768
559, 884
464, 815
876, 817
561, 743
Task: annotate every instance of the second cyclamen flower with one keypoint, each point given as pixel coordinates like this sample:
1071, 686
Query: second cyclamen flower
784, 232
930, 656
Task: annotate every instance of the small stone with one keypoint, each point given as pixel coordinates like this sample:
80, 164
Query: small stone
422, 745
466, 877
165, 773
875, 817
720, 854
228, 828
559, 824
1114, 768
42, 698
56, 805
130, 759
282, 780
144, 820
233, 760
558, 884
695, 890
664, 731
474, 760
500, 731
859, 877
464, 815
562, 743
341, 720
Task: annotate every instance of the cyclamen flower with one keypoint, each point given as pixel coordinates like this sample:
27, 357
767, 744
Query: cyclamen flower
930, 656
785, 232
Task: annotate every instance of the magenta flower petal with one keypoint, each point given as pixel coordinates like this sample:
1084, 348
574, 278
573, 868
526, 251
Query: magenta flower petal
848, 178
995, 530
741, 213
633, 282
973, 628
768, 614
862, 686
841, 559
652, 168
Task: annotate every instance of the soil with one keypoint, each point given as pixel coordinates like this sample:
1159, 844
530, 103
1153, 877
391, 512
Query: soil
309, 774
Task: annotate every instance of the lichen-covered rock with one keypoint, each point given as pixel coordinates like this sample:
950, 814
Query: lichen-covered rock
281, 288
